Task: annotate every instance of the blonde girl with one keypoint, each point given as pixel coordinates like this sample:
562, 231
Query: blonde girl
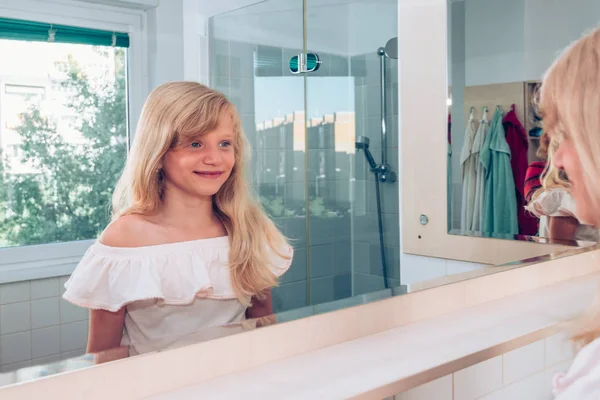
570, 106
188, 247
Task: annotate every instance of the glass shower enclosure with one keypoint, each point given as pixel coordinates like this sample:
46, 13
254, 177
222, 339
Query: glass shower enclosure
306, 77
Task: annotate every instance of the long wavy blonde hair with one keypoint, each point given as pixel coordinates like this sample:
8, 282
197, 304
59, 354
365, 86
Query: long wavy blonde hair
176, 113
551, 177
570, 107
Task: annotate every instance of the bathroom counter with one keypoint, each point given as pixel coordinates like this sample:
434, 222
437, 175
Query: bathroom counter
393, 361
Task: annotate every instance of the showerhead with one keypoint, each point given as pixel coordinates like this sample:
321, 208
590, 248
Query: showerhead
391, 48
362, 142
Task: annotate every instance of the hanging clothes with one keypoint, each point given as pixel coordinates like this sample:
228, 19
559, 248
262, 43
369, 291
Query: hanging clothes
516, 137
500, 201
469, 175
480, 137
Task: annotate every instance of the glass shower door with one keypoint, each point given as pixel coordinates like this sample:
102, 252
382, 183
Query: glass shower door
250, 50
344, 107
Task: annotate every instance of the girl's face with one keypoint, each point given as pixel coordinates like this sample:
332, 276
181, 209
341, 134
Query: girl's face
566, 158
200, 168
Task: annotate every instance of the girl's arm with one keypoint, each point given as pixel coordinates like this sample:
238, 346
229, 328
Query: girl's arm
106, 330
562, 228
261, 307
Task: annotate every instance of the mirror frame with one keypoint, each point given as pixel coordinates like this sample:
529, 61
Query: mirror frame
423, 90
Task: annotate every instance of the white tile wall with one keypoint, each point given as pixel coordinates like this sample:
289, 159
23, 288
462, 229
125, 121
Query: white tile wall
43, 288
44, 312
37, 326
523, 362
478, 380
16, 317
558, 349
524, 373
440, 389
15, 292
45, 342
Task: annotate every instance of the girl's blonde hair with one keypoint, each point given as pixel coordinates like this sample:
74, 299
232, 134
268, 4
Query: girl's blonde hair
552, 177
570, 107
174, 114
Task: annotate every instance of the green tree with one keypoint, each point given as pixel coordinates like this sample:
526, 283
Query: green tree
69, 198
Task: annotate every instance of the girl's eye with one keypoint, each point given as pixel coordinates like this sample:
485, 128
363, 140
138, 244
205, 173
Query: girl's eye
225, 143
195, 145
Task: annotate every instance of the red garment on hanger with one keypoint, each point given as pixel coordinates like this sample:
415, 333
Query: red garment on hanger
518, 143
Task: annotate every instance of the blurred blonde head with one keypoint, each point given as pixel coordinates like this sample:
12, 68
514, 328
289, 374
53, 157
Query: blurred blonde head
570, 107
175, 114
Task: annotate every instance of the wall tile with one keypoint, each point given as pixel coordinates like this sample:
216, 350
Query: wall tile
364, 283
558, 349
321, 230
295, 314
297, 271
330, 288
340, 66
321, 260
16, 317
45, 342
440, 389
15, 292
392, 260
360, 198
338, 304
499, 395
523, 362
16, 347
533, 387
43, 288
269, 61
45, 312
296, 230
342, 228
71, 313
362, 258
289, 296
478, 380
342, 258
61, 284
73, 336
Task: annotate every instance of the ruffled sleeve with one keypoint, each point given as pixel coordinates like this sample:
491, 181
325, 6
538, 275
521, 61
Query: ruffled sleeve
553, 203
280, 263
110, 278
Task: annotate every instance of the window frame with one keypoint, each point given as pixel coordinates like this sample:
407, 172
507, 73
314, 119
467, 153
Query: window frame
59, 259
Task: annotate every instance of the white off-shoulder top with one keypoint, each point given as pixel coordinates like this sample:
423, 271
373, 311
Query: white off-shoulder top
171, 292
559, 203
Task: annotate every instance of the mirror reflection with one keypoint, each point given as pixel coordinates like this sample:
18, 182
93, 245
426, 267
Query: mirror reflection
501, 181
267, 195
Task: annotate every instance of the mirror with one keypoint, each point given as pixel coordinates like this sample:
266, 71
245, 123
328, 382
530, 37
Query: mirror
498, 52
325, 153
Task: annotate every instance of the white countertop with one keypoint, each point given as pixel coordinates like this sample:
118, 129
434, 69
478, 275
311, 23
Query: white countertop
366, 364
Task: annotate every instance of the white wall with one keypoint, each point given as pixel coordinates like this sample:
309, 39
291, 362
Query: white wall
517, 40
165, 43
524, 373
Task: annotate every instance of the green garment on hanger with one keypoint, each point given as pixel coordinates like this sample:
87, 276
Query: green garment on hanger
500, 201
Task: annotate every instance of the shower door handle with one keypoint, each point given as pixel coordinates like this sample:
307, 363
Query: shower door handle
303, 63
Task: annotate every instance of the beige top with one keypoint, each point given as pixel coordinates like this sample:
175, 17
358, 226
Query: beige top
171, 292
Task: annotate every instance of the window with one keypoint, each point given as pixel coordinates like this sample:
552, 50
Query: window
63, 137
